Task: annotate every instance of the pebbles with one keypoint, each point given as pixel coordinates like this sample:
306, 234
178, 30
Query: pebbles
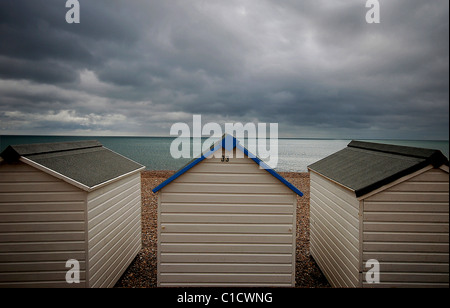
142, 271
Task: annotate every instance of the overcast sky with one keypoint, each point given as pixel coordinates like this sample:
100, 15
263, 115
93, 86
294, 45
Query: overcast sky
315, 67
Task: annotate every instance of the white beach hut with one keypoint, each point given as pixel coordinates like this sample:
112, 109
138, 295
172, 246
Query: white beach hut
384, 203
67, 201
226, 222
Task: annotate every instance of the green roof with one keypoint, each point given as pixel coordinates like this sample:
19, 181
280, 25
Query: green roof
365, 166
85, 162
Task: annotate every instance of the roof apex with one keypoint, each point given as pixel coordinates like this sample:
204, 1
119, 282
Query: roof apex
228, 142
393, 149
14, 152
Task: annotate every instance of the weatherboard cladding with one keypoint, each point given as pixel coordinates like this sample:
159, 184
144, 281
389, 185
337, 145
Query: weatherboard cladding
364, 166
47, 219
42, 225
228, 143
397, 216
405, 228
226, 224
334, 231
86, 162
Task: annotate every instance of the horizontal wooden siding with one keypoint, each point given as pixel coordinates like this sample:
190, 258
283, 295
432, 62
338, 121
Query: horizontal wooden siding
226, 224
114, 224
41, 228
334, 227
406, 230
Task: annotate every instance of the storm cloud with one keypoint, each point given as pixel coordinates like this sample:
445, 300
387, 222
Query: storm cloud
316, 67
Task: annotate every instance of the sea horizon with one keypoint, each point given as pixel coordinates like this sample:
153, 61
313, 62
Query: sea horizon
294, 154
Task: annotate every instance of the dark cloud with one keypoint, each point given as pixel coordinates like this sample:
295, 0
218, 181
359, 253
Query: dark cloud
315, 67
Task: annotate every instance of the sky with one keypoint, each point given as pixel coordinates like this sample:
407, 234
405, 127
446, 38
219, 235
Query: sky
315, 67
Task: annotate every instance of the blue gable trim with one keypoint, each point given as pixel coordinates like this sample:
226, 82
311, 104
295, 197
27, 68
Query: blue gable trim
270, 170
186, 168
228, 143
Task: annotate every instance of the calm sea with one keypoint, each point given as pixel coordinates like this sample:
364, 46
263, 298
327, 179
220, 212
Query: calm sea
154, 152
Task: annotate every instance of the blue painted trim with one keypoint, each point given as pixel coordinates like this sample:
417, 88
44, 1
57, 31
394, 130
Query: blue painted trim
186, 168
270, 170
229, 144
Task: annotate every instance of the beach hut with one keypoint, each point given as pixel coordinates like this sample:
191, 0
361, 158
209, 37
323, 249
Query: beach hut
225, 221
70, 215
379, 216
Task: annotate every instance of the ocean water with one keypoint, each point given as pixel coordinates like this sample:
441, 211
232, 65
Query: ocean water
154, 152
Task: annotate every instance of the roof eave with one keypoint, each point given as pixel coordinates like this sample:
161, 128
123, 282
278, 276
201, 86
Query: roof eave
395, 182
330, 179
436, 161
73, 182
186, 168
95, 187
229, 144
263, 165
54, 173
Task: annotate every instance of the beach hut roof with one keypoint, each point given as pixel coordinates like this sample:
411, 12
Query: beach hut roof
365, 166
85, 164
229, 143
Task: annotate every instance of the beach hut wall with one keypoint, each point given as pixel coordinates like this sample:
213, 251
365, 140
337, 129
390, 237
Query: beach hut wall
381, 208
67, 210
226, 222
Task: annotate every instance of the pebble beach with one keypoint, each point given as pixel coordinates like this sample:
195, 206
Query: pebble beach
142, 272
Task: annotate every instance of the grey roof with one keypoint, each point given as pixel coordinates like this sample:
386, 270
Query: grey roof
85, 162
365, 166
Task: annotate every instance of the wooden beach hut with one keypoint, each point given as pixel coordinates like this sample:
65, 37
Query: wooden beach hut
75, 201
224, 221
384, 203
